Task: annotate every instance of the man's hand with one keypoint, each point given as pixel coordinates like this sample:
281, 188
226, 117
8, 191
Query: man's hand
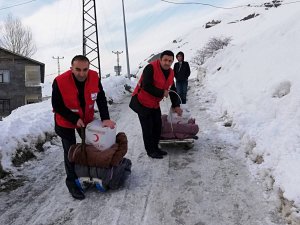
178, 110
80, 123
108, 123
166, 93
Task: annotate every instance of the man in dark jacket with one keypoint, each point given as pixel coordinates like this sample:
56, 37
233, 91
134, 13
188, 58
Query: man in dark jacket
155, 82
182, 72
73, 96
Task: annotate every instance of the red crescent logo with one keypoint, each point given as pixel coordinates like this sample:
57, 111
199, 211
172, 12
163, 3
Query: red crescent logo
97, 138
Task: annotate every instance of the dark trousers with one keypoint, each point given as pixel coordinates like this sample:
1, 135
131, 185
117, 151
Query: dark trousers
181, 87
151, 128
68, 138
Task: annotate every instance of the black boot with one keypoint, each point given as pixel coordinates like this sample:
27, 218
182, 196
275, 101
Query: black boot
161, 151
155, 155
74, 190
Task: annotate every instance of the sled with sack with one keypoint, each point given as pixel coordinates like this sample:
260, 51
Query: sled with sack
179, 130
103, 168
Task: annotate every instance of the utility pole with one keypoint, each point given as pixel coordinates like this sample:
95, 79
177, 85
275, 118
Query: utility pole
127, 55
118, 68
58, 65
90, 34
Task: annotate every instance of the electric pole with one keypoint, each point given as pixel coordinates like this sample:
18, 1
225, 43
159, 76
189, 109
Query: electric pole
118, 67
90, 34
58, 65
127, 55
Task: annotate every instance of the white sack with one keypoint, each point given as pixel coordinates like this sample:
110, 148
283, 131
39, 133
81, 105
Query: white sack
101, 137
183, 119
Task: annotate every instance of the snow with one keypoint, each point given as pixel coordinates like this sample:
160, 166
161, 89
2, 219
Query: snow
23, 128
256, 89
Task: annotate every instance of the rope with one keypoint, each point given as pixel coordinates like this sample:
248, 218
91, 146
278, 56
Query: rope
83, 146
170, 113
82, 131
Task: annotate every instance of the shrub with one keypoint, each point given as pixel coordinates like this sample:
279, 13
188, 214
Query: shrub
212, 23
212, 46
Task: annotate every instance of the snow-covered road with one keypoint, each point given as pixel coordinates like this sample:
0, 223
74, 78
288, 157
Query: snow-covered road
206, 185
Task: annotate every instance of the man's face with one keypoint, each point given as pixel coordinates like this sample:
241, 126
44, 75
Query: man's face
80, 69
166, 62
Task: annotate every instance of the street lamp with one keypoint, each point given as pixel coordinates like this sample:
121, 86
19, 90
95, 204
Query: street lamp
126, 45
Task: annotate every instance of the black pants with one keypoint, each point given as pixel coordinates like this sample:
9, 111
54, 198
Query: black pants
151, 127
68, 138
181, 87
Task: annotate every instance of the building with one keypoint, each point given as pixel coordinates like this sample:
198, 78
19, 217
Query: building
20, 81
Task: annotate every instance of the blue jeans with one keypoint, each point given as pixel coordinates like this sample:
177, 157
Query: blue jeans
181, 87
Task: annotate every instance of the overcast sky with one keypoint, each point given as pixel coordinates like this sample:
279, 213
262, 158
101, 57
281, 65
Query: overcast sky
57, 28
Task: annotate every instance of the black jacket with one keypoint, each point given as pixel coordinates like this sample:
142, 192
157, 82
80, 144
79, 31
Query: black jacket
183, 72
147, 85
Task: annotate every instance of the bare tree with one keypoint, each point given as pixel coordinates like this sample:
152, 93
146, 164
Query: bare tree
17, 37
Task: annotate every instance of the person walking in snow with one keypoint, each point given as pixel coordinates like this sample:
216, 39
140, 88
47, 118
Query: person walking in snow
182, 72
156, 80
73, 96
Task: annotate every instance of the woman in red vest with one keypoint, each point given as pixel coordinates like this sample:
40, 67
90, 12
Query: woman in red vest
156, 81
73, 96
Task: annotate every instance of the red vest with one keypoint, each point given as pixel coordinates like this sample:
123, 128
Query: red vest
69, 92
159, 81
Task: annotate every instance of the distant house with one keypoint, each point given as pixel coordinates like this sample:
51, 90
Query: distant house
20, 81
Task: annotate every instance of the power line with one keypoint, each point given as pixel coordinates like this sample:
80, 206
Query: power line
58, 64
23, 3
50, 74
90, 41
199, 3
118, 68
286, 3
220, 7
126, 44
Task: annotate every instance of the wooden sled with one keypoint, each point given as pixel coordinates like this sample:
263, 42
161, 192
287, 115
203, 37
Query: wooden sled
186, 143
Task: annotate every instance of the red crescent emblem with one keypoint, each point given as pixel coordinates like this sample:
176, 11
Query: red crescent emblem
97, 138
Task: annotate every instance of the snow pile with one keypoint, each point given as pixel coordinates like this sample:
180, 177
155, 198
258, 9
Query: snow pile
23, 128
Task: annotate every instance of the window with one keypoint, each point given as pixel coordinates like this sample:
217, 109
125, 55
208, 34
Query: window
30, 101
32, 76
4, 76
4, 105
32, 98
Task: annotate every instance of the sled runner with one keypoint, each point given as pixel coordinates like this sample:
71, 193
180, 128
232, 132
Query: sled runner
187, 143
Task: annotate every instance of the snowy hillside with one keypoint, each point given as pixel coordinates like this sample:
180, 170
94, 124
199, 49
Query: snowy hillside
256, 82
